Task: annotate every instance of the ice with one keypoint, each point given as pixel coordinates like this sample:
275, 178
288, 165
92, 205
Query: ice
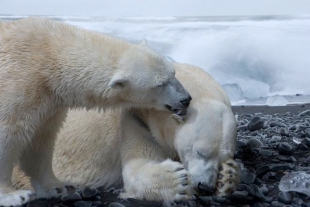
262, 56
296, 181
234, 92
276, 100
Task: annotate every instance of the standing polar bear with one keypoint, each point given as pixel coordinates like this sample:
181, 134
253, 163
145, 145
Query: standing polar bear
152, 154
47, 67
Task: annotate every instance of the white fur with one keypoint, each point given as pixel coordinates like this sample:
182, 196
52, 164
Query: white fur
141, 149
46, 67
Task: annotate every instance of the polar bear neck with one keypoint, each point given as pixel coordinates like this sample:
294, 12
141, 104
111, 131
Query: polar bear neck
77, 63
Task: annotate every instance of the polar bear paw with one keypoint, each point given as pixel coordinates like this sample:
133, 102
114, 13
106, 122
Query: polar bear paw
56, 191
168, 181
16, 198
228, 177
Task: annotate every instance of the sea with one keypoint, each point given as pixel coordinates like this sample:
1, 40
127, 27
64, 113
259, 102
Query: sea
258, 60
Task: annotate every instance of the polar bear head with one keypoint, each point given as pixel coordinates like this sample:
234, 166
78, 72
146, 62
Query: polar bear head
206, 141
147, 79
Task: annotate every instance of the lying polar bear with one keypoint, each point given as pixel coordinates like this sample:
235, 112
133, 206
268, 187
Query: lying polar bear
153, 155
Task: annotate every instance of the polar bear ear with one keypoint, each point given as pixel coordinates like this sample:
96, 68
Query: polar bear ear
143, 42
117, 82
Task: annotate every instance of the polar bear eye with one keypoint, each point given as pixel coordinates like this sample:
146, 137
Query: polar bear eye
162, 84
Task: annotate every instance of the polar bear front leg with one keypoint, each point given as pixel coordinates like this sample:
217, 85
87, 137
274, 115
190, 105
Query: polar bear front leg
8, 195
158, 181
36, 161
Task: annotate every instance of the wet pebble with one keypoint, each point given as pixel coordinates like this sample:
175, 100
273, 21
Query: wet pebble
275, 139
248, 177
285, 197
254, 143
285, 148
89, 192
116, 204
307, 132
82, 204
266, 153
71, 197
255, 124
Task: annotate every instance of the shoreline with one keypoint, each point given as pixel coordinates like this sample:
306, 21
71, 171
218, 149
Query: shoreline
252, 109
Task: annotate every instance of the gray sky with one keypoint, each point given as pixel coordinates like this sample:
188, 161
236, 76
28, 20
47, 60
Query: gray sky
154, 7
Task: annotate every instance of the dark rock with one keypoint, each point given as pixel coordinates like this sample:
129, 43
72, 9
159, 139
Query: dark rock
302, 128
262, 170
285, 148
284, 132
242, 128
302, 146
72, 197
255, 124
89, 192
83, 204
277, 204
307, 132
266, 153
275, 139
255, 143
285, 197
240, 144
240, 197
306, 142
248, 177
206, 199
276, 124
304, 113
115, 204
286, 159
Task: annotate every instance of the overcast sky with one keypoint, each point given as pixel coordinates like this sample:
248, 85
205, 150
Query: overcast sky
154, 7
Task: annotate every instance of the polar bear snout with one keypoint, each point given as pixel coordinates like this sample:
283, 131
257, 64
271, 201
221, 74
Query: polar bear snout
185, 103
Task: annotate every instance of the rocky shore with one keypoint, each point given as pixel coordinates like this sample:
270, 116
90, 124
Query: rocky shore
273, 150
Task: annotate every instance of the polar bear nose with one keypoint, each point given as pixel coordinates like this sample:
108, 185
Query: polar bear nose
204, 188
185, 103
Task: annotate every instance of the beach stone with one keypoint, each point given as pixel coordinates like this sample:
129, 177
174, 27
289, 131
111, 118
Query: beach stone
264, 189
242, 128
206, 199
255, 124
275, 139
277, 204
262, 170
286, 159
83, 204
284, 132
302, 128
296, 181
266, 153
306, 142
276, 124
285, 197
248, 177
255, 143
304, 113
89, 192
285, 148
302, 146
240, 197
293, 128
240, 144
307, 132
116, 204
71, 197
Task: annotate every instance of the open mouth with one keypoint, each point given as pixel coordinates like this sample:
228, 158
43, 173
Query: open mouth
177, 111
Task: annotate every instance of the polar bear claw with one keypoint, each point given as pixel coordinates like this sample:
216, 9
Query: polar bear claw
228, 177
